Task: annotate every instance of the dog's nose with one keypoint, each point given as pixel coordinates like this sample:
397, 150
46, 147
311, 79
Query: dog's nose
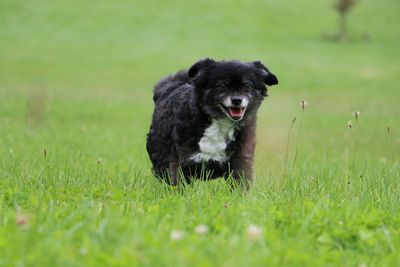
236, 101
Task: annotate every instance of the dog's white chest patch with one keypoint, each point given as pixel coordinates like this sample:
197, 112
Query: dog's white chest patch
214, 141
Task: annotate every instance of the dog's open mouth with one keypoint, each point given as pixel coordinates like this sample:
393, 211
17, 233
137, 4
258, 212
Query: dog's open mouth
234, 113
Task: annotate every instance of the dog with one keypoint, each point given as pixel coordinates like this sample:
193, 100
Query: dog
204, 121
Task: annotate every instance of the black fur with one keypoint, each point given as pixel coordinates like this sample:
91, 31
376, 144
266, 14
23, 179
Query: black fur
185, 105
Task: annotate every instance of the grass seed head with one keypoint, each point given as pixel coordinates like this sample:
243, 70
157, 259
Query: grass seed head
303, 104
356, 114
350, 124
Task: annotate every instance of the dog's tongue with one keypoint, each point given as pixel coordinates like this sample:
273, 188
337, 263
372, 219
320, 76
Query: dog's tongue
236, 113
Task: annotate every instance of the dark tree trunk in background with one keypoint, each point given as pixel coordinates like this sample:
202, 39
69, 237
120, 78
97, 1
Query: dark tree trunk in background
343, 7
342, 27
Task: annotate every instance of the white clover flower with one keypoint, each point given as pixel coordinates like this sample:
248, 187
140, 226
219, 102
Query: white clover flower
254, 232
176, 235
201, 229
83, 251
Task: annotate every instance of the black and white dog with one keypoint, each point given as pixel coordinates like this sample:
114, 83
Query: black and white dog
204, 121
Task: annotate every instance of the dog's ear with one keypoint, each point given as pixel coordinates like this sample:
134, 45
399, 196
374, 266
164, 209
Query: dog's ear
269, 78
199, 66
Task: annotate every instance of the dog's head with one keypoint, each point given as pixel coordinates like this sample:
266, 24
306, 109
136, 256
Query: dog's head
231, 88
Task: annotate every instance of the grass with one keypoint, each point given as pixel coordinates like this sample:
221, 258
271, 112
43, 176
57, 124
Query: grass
75, 82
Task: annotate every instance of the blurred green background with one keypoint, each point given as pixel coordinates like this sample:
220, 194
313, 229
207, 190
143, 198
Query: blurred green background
87, 69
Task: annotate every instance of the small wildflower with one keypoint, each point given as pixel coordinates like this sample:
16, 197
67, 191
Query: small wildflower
201, 229
254, 232
176, 235
350, 124
304, 104
22, 220
82, 250
356, 114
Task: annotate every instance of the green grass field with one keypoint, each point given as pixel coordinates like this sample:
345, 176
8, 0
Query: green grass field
76, 82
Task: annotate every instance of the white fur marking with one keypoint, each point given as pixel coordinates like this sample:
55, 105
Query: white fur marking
245, 102
214, 141
227, 102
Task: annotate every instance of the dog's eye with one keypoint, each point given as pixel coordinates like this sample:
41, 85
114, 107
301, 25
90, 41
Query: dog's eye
247, 87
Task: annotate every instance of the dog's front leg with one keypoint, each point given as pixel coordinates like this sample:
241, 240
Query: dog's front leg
173, 172
242, 175
241, 167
